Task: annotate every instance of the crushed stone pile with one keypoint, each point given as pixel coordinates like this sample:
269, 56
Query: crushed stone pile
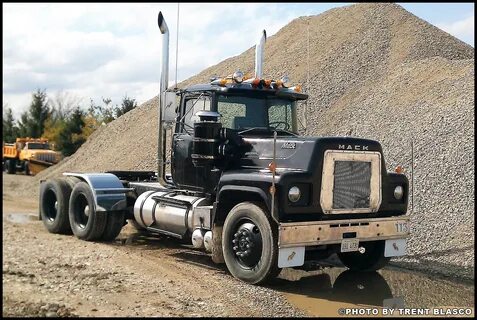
375, 71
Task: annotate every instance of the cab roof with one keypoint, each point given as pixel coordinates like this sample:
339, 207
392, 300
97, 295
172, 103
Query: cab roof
247, 89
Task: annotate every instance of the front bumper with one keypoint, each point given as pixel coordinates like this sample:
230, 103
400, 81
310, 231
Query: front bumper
303, 234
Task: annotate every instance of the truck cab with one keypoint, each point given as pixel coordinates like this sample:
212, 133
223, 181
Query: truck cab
243, 184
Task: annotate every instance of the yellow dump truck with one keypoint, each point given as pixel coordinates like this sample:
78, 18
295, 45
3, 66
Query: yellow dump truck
28, 155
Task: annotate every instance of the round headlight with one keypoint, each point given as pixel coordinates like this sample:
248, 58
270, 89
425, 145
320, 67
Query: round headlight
398, 192
238, 76
294, 194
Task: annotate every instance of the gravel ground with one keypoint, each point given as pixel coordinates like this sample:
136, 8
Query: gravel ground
376, 71
136, 275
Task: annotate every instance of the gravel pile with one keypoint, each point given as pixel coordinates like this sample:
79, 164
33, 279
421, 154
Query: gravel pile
375, 71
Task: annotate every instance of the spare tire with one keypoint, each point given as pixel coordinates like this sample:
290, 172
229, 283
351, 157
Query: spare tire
54, 206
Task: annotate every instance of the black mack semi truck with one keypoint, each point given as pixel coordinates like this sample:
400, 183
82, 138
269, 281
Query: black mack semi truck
243, 185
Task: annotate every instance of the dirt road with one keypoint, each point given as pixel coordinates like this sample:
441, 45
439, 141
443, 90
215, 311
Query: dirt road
138, 275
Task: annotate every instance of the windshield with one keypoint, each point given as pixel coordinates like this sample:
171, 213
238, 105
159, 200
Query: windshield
34, 145
241, 113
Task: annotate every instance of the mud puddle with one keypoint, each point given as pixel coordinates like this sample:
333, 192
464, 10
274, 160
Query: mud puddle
324, 292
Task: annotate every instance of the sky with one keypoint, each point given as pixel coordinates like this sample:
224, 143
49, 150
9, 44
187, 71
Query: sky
82, 51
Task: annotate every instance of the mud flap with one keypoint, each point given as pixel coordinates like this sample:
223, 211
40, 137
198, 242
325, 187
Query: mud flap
395, 248
291, 257
217, 253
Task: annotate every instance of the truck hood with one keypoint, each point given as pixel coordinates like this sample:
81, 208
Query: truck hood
299, 153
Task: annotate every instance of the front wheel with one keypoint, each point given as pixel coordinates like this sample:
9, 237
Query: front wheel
371, 260
250, 243
11, 166
27, 168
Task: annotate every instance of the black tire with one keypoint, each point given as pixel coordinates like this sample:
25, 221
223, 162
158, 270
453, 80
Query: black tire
371, 260
27, 168
259, 263
11, 166
114, 224
86, 223
72, 181
54, 206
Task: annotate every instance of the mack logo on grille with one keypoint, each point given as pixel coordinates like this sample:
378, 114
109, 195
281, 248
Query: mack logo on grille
353, 147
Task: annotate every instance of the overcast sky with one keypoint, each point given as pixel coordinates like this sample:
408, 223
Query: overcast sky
109, 50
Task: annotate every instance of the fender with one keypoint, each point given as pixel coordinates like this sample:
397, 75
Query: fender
248, 189
108, 191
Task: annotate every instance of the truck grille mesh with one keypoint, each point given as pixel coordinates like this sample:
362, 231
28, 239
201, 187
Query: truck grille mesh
48, 157
352, 186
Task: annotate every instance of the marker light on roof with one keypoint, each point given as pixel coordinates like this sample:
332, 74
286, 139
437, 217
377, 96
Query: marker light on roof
238, 76
285, 82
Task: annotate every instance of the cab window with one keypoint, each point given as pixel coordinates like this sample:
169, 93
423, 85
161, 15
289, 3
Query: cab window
192, 105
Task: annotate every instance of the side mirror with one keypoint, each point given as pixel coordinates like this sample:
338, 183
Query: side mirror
170, 107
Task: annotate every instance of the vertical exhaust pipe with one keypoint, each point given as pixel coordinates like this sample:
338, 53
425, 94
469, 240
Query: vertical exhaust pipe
259, 55
162, 89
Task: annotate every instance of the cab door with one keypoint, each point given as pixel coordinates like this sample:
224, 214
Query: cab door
184, 173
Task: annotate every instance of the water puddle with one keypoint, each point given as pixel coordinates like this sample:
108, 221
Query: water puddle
21, 217
324, 292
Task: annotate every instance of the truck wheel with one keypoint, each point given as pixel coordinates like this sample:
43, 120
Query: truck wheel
54, 204
250, 243
27, 168
114, 224
86, 223
11, 166
371, 260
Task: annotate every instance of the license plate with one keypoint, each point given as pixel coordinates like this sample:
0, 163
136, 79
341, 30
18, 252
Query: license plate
348, 245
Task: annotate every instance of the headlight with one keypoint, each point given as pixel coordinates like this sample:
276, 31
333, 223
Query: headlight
398, 192
294, 194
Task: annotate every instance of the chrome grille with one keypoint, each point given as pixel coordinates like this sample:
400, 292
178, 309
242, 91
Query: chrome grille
47, 157
352, 184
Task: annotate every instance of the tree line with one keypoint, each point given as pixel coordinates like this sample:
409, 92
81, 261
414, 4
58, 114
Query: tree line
63, 121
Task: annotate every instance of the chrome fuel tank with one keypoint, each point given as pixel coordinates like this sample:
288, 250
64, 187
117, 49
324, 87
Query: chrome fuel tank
170, 212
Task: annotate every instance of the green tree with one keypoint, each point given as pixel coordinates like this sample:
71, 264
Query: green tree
32, 122
127, 105
70, 138
10, 130
103, 114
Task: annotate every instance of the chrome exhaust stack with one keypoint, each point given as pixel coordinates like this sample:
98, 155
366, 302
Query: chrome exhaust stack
259, 55
161, 151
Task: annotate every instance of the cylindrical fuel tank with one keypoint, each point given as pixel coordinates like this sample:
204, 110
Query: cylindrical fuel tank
167, 211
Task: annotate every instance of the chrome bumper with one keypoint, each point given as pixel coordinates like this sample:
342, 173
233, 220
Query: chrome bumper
302, 234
